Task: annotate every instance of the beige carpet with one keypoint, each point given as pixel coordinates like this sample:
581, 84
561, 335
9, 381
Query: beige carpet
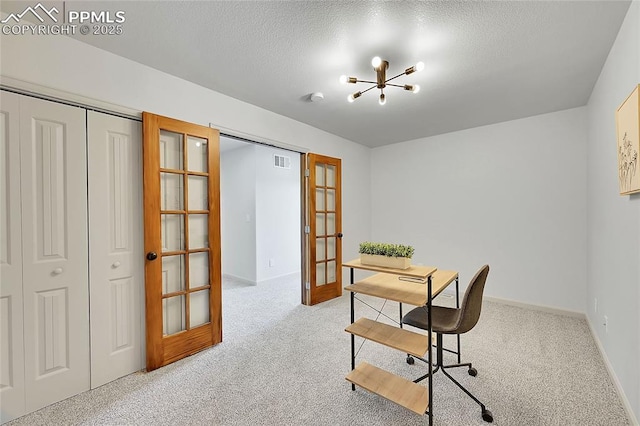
284, 364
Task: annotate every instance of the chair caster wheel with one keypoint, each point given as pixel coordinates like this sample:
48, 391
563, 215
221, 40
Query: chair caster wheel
410, 360
473, 372
487, 416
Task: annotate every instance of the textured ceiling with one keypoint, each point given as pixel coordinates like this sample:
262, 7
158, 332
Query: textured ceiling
486, 62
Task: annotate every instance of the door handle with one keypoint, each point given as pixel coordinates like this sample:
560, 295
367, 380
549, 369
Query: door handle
115, 264
339, 235
57, 271
152, 255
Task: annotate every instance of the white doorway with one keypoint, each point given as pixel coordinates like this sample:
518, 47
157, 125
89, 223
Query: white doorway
260, 214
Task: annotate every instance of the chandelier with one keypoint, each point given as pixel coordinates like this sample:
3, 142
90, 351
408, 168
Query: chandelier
381, 66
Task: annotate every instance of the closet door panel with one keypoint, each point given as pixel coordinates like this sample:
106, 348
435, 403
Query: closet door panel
12, 397
55, 259
116, 254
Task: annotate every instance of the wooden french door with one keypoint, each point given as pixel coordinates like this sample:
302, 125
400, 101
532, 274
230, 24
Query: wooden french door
182, 238
324, 236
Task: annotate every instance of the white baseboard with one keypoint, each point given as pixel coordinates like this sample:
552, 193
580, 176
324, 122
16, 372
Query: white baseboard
283, 277
240, 279
542, 308
614, 378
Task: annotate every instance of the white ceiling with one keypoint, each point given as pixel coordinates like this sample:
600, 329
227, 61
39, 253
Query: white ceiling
486, 62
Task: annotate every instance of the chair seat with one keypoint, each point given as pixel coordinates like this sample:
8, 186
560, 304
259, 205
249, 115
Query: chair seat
444, 319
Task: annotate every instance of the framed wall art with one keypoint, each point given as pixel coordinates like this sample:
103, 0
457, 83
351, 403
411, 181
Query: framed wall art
628, 139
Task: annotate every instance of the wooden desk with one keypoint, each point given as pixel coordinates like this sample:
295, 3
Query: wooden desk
397, 285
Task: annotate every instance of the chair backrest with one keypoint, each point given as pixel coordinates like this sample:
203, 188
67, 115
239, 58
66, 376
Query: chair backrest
472, 301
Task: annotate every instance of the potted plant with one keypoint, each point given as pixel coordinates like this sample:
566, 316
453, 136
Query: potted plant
395, 256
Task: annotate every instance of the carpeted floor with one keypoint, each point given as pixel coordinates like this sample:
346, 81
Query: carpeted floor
282, 363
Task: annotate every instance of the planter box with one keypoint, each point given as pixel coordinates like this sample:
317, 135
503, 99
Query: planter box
385, 261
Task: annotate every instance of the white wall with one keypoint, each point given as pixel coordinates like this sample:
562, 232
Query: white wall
237, 212
260, 214
277, 215
614, 220
512, 195
68, 65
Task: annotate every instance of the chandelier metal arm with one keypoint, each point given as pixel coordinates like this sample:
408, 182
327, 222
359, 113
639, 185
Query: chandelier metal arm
396, 85
366, 81
365, 91
399, 75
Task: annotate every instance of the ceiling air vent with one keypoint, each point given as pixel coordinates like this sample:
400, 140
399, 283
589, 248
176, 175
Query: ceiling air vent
281, 161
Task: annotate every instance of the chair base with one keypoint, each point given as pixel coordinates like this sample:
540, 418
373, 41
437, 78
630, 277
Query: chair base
487, 416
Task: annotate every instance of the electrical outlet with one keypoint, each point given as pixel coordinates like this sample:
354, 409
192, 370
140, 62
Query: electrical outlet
595, 304
606, 324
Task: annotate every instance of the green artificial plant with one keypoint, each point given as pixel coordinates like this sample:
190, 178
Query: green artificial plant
385, 249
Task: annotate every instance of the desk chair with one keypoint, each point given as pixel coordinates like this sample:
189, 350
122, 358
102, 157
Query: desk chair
453, 321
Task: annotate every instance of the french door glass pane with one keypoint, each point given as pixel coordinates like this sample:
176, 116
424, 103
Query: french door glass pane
171, 191
331, 271
198, 190
331, 200
198, 269
172, 230
320, 247
320, 224
319, 199
172, 274
173, 315
171, 150
331, 176
331, 248
320, 275
331, 223
319, 175
197, 158
198, 308
198, 231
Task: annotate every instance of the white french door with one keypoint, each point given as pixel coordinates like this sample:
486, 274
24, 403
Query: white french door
11, 323
116, 263
48, 230
54, 252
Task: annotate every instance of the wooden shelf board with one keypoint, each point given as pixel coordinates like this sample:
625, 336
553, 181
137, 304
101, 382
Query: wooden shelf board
397, 338
391, 287
394, 388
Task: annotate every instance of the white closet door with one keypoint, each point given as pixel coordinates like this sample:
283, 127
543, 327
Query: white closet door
55, 259
12, 401
116, 247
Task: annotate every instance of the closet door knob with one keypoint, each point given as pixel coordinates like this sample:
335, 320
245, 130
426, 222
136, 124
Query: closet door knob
152, 255
115, 264
57, 271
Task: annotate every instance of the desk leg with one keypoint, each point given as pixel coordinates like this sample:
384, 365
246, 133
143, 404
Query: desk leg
353, 337
429, 305
458, 307
400, 315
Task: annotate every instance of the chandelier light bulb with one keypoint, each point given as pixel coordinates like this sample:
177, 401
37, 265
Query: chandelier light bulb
376, 61
382, 100
419, 66
343, 79
350, 98
416, 88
